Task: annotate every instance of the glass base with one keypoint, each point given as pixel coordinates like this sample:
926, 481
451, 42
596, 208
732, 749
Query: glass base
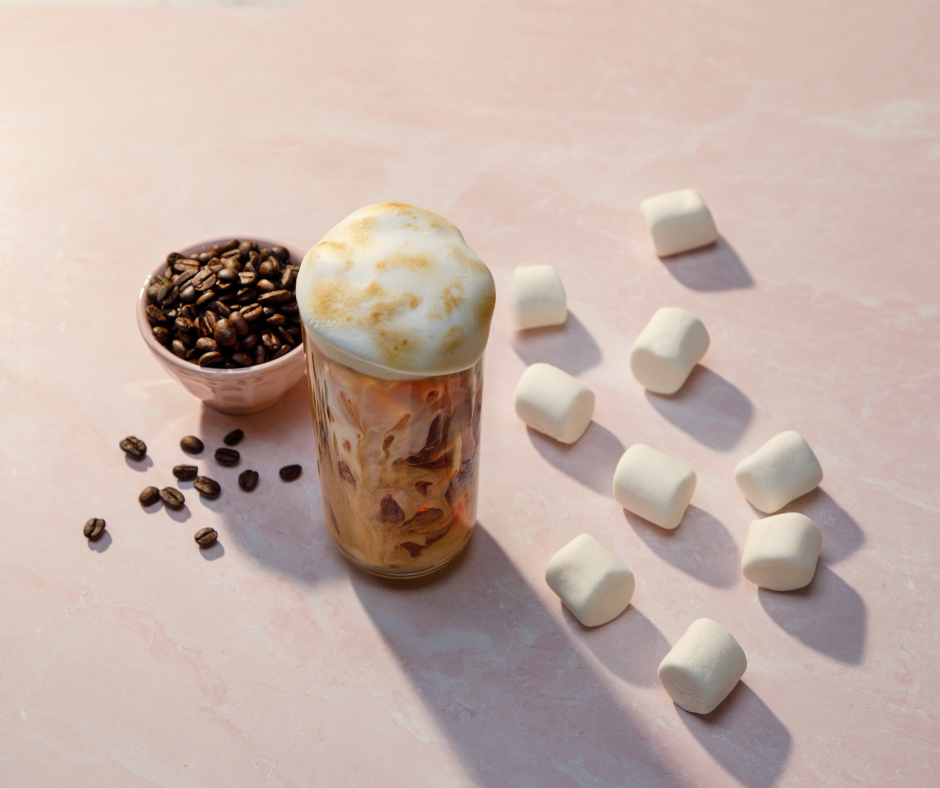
400, 574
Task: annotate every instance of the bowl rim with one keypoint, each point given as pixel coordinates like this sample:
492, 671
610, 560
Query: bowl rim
213, 373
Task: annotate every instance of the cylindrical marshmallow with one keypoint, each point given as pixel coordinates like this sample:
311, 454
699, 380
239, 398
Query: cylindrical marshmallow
678, 222
553, 402
653, 485
538, 297
593, 583
780, 471
702, 667
781, 552
667, 350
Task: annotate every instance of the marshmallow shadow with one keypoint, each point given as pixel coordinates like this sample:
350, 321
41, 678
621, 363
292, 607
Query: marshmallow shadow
631, 647
569, 346
744, 736
707, 407
504, 682
100, 544
842, 536
828, 615
709, 269
590, 461
701, 546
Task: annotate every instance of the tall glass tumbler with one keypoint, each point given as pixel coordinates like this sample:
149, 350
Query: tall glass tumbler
396, 312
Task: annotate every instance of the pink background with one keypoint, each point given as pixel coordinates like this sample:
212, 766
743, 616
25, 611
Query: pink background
813, 131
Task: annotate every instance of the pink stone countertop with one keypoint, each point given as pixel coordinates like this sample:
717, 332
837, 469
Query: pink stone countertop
813, 131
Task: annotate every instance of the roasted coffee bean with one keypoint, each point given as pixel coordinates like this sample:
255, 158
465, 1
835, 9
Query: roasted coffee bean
185, 473
246, 295
207, 345
240, 324
208, 488
233, 438
180, 280
287, 279
134, 447
286, 337
290, 472
281, 253
265, 286
155, 315
290, 309
248, 480
188, 294
149, 496
242, 359
249, 340
224, 333
172, 497
206, 284
94, 528
227, 456
271, 342
211, 359
229, 245
178, 348
274, 298
252, 312
210, 318
205, 298
206, 536
231, 253
222, 309
188, 340
285, 349
161, 335
189, 312
192, 354
171, 314
270, 268
228, 276
185, 325
276, 320
247, 247
247, 278
260, 354
191, 444
168, 296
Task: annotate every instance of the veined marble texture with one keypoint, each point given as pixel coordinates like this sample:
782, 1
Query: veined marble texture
811, 129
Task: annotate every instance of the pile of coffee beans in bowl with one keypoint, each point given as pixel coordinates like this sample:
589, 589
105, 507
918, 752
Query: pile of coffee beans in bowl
233, 306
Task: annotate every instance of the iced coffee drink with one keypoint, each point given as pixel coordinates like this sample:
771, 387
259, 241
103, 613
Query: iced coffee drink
396, 311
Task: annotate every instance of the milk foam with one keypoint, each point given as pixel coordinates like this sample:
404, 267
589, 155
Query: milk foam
394, 291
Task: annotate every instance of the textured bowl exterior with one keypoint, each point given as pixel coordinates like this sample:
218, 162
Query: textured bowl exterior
235, 391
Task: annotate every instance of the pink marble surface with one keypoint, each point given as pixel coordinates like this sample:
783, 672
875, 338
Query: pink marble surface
813, 131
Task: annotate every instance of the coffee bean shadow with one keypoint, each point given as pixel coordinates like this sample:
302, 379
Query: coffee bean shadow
153, 508
141, 465
842, 535
569, 346
701, 546
828, 615
180, 515
744, 736
709, 269
591, 461
100, 544
630, 646
212, 553
504, 682
707, 407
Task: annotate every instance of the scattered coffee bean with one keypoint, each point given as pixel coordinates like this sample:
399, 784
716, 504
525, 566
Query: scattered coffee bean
206, 486
191, 444
248, 480
150, 495
185, 473
206, 536
134, 447
290, 472
227, 456
203, 306
233, 438
172, 497
94, 528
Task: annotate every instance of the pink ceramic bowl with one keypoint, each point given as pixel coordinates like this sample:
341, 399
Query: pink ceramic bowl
236, 391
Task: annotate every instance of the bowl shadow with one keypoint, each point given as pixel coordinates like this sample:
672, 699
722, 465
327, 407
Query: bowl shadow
744, 736
591, 461
701, 546
707, 407
828, 615
710, 269
569, 346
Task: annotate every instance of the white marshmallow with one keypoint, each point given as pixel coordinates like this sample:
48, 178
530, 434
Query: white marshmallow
538, 297
667, 350
653, 485
780, 471
781, 552
678, 222
593, 583
702, 667
553, 402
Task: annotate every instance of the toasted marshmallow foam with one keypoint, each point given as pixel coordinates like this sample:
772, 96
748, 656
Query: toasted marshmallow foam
394, 291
